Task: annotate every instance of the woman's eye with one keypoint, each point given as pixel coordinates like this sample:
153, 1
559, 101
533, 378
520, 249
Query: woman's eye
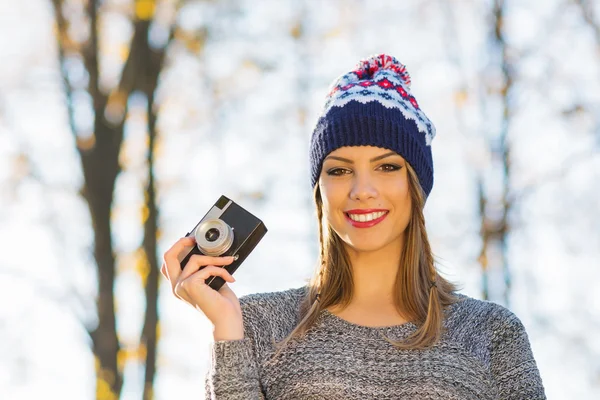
390, 167
337, 171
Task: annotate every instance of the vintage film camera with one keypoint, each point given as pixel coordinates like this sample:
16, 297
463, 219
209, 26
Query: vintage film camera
226, 230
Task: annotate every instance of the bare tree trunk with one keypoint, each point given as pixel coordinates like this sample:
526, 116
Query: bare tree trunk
100, 165
100, 169
151, 319
151, 63
495, 210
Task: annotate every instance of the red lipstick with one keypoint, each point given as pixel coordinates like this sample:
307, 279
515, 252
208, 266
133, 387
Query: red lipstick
366, 224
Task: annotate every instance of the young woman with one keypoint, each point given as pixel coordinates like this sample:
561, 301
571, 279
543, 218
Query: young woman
376, 321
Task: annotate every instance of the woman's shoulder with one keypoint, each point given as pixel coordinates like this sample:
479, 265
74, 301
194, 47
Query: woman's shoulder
483, 316
271, 314
273, 298
281, 304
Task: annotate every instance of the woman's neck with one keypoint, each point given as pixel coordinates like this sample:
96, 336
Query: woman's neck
374, 274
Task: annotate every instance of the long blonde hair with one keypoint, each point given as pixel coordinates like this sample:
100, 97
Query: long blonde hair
420, 293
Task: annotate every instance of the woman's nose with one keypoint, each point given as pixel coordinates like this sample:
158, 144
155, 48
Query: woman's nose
363, 188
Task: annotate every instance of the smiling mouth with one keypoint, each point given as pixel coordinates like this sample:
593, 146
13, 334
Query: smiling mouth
368, 217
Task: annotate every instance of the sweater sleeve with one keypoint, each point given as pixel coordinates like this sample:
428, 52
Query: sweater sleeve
512, 363
233, 371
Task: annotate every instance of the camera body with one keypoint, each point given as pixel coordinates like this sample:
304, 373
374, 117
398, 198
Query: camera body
226, 230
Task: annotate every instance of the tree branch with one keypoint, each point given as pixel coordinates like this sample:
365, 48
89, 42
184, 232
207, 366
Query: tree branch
588, 15
61, 34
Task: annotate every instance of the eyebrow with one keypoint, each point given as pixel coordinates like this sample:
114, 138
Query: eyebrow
371, 160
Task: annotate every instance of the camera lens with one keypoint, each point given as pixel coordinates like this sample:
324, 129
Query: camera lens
212, 234
214, 237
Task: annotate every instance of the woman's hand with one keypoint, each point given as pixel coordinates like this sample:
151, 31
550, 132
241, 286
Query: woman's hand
222, 308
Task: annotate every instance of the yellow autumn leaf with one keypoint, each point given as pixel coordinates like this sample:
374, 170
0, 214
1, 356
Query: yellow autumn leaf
104, 379
122, 356
117, 97
142, 266
194, 42
123, 52
296, 30
483, 261
131, 353
158, 146
141, 353
180, 35
145, 213
144, 9
124, 158
461, 97
103, 391
194, 45
86, 142
115, 106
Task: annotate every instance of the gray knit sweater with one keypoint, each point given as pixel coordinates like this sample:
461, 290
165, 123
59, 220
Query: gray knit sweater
484, 354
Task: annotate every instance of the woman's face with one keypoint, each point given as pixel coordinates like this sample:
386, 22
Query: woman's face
366, 196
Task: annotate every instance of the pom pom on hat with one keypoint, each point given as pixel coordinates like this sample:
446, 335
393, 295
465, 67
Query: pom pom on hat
372, 105
367, 68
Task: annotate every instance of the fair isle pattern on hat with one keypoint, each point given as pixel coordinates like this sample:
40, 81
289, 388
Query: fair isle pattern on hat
390, 86
372, 105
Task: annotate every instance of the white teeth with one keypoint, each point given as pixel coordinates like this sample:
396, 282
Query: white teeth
366, 217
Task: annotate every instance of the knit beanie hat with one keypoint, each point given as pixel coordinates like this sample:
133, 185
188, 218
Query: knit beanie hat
372, 106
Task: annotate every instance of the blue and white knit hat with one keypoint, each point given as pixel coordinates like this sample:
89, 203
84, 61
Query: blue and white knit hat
372, 106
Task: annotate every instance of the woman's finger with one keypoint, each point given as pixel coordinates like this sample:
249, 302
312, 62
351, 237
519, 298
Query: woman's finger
187, 289
171, 260
198, 261
212, 270
198, 291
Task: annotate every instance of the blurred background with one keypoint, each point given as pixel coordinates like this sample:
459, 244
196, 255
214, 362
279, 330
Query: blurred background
123, 121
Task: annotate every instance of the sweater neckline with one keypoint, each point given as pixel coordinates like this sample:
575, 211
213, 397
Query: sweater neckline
344, 325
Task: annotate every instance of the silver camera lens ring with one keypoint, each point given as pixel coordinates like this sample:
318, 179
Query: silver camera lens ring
218, 246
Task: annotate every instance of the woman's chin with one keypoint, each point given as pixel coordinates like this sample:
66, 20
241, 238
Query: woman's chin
364, 245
